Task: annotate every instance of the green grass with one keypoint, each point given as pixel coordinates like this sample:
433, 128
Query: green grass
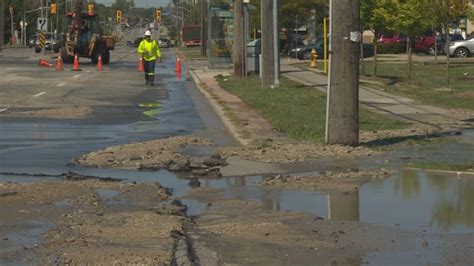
297, 110
443, 166
427, 83
191, 52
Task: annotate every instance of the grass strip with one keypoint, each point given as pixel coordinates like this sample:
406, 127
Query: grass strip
297, 110
427, 84
443, 166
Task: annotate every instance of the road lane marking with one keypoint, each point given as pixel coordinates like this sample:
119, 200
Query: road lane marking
3, 110
77, 76
39, 94
61, 84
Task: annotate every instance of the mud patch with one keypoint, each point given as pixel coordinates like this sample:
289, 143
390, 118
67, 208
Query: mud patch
270, 151
66, 112
141, 155
138, 232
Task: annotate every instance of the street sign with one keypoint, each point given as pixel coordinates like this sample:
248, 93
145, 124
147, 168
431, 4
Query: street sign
41, 39
42, 24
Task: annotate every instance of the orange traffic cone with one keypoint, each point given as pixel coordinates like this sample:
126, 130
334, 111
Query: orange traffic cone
59, 63
100, 66
178, 65
45, 63
141, 66
75, 66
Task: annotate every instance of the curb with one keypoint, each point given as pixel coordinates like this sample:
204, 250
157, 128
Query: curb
219, 109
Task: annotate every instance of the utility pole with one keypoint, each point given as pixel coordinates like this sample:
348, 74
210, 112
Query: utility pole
2, 26
276, 44
12, 33
268, 44
239, 64
203, 27
342, 122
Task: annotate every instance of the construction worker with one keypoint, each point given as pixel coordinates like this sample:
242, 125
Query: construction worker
149, 51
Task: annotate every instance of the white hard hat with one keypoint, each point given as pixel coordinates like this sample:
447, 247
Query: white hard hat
147, 33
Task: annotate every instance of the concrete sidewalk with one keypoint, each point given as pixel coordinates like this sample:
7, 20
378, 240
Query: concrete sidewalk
376, 100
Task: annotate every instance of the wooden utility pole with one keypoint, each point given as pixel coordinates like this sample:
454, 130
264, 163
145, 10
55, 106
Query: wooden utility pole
342, 123
268, 44
204, 27
239, 64
2, 26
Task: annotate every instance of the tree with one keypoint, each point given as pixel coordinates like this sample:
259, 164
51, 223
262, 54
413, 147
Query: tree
412, 20
377, 16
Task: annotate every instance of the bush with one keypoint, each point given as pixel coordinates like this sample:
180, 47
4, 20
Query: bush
391, 48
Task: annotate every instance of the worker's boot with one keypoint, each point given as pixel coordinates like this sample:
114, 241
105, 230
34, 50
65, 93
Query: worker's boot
147, 79
152, 80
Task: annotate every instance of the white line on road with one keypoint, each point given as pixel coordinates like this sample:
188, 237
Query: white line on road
3, 110
77, 76
39, 94
61, 84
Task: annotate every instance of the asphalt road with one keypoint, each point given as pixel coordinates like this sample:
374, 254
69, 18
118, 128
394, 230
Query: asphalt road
47, 117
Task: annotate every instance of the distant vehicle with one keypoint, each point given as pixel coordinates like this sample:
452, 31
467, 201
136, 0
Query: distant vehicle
304, 52
426, 44
391, 38
461, 49
164, 43
32, 40
137, 41
191, 35
52, 43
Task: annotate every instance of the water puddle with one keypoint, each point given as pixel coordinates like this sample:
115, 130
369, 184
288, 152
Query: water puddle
23, 238
198, 150
106, 195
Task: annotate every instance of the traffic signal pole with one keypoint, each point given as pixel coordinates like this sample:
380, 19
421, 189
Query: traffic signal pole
342, 122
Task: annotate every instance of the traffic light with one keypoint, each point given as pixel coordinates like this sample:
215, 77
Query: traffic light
118, 16
158, 16
90, 9
53, 9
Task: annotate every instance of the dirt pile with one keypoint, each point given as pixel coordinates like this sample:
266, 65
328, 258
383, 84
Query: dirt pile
270, 151
96, 222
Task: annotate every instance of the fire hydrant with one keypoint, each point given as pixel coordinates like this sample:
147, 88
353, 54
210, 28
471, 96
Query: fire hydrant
314, 58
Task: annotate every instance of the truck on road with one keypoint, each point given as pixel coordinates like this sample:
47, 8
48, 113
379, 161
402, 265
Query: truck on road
191, 35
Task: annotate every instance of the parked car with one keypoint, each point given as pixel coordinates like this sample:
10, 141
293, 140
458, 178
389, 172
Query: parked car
426, 44
461, 49
392, 38
304, 52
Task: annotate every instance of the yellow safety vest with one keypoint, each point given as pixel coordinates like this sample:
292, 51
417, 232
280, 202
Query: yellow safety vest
149, 50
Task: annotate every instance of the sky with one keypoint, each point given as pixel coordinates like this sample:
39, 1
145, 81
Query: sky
140, 3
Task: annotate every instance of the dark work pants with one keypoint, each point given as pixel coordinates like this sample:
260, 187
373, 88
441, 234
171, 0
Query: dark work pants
149, 67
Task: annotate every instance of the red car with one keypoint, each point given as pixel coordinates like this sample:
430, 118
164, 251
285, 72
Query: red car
426, 44
392, 38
